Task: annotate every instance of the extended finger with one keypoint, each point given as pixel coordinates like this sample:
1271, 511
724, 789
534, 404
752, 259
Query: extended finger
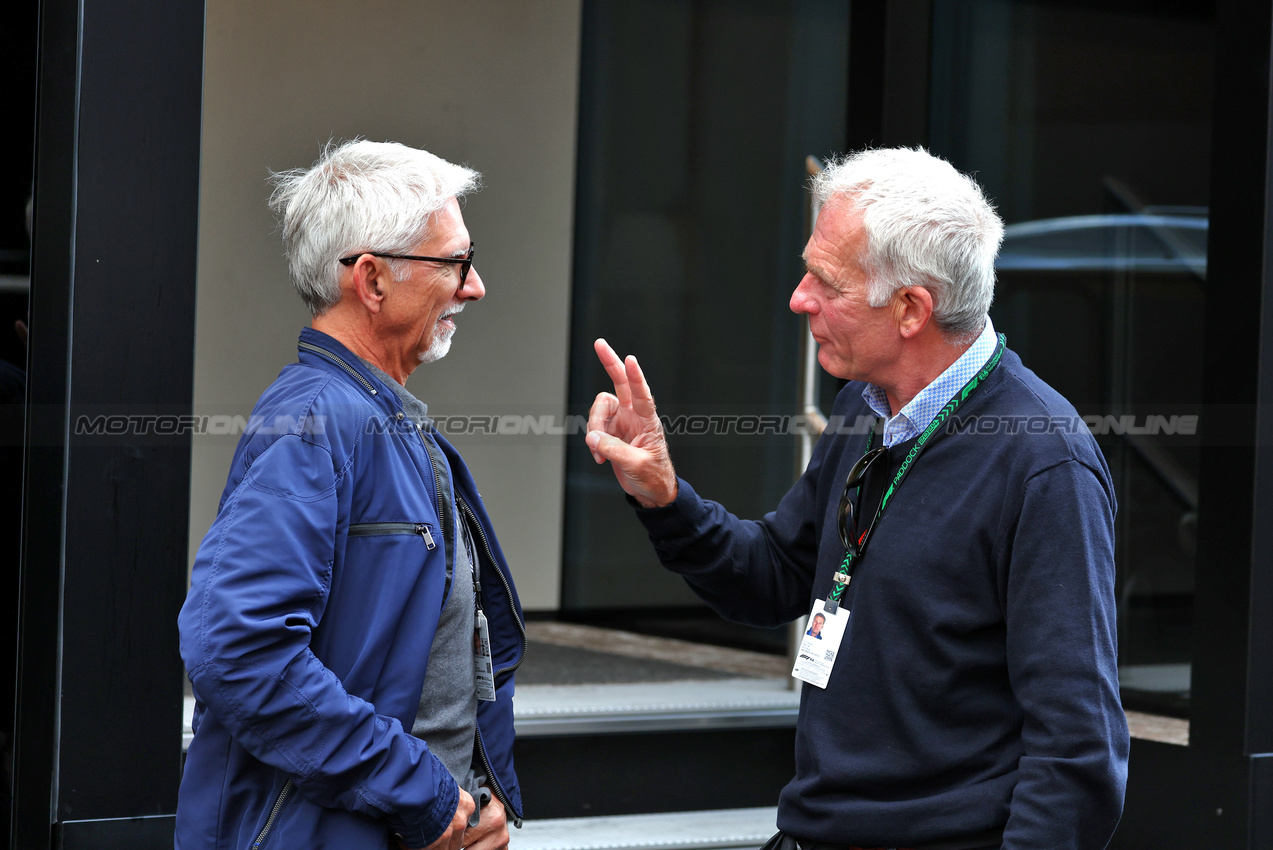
642, 398
615, 369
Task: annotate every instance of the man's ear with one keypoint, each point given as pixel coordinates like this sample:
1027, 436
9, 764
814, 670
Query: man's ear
914, 306
370, 280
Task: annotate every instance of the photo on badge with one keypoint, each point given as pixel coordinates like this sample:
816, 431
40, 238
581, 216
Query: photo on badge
825, 627
823, 631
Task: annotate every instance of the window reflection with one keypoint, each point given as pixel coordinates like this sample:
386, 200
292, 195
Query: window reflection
1090, 127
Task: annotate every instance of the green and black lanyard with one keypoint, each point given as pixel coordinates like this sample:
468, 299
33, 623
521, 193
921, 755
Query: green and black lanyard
852, 554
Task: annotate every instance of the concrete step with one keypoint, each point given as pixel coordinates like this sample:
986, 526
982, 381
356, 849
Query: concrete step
655, 706
720, 829
640, 707
614, 724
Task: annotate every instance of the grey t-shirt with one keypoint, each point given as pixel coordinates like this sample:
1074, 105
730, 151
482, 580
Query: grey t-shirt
446, 718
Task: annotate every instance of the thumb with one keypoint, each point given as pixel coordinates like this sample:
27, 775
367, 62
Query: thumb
607, 447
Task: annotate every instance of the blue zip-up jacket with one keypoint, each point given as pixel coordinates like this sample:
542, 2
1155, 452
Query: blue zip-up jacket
313, 604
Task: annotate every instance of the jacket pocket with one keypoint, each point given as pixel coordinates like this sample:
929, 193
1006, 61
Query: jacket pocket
416, 529
284, 793
383, 529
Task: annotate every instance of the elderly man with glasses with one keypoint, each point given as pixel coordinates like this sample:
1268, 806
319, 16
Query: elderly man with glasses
964, 547
352, 629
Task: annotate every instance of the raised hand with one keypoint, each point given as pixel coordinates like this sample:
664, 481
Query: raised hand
624, 428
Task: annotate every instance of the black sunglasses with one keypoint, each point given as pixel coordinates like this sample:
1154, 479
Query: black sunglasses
465, 263
850, 509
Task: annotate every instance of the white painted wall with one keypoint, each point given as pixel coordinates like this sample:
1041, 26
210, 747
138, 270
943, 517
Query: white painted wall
489, 83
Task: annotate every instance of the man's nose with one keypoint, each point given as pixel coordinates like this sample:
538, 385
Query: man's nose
801, 301
473, 289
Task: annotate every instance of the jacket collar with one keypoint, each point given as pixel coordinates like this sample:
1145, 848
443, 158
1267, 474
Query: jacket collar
316, 347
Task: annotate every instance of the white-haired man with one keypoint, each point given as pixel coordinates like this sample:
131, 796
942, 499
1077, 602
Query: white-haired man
970, 696
352, 630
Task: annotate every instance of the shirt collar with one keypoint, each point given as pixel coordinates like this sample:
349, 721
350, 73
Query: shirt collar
416, 410
917, 413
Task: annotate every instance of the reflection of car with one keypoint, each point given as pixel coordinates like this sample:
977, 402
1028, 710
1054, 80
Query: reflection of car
1110, 305
1157, 239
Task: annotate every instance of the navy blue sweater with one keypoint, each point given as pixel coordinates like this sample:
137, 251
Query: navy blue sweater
977, 682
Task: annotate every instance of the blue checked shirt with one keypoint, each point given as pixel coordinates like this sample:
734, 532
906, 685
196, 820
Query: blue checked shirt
914, 417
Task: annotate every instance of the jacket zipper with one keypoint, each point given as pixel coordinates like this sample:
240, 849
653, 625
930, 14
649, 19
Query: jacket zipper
521, 627
490, 774
376, 529
508, 591
322, 352
269, 822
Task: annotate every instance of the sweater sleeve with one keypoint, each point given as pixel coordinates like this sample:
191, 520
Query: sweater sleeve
1063, 664
259, 588
757, 572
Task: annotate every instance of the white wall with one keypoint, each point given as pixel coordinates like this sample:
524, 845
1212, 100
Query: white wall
489, 83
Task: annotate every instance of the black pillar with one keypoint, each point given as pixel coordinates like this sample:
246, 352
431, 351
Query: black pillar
106, 499
889, 53
1216, 792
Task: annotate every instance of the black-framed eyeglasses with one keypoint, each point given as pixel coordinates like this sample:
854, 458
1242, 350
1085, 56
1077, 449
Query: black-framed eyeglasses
465, 263
851, 509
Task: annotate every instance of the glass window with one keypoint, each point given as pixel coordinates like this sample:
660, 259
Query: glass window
695, 122
1089, 126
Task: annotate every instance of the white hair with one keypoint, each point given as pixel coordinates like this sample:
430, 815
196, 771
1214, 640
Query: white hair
359, 196
926, 225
